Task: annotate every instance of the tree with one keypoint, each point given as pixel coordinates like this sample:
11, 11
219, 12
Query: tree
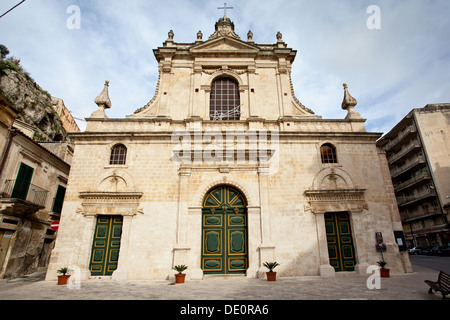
3, 51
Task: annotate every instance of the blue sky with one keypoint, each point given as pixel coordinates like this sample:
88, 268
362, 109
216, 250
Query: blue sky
403, 65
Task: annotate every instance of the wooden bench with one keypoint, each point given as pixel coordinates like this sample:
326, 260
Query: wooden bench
442, 285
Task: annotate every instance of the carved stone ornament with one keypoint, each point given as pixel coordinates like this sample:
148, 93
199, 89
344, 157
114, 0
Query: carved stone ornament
199, 36
110, 203
103, 102
250, 36
351, 200
224, 27
349, 103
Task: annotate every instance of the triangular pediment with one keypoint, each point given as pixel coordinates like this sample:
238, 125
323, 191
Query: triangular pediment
224, 45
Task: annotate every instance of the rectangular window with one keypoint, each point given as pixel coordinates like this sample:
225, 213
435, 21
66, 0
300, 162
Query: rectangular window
59, 199
23, 182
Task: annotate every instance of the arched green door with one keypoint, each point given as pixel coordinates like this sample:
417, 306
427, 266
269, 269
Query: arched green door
224, 232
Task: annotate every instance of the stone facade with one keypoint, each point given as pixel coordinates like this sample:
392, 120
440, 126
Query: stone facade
27, 204
178, 150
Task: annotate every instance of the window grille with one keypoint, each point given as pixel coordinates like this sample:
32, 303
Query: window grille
118, 154
225, 100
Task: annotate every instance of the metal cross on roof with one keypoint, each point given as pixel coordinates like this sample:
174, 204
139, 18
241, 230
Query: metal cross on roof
225, 9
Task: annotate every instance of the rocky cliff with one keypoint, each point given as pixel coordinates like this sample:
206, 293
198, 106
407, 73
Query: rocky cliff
32, 102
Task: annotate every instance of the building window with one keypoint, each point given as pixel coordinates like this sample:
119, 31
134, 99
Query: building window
118, 154
225, 100
59, 200
328, 153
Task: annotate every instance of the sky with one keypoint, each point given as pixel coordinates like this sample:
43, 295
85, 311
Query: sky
393, 54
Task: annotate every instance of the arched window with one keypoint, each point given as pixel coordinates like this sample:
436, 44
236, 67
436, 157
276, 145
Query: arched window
225, 100
118, 154
328, 153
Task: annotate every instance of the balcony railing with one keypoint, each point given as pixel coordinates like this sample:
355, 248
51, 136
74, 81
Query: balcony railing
401, 154
395, 172
34, 194
413, 198
421, 176
393, 142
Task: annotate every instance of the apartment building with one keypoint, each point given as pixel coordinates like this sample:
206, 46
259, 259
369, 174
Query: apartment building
418, 153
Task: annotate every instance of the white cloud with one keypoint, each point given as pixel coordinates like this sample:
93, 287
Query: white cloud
389, 71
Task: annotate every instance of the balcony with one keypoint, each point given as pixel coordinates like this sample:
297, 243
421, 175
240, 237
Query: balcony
411, 165
411, 182
393, 144
33, 195
408, 150
420, 214
406, 200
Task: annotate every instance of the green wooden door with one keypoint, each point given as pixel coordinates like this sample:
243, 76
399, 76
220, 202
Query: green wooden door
224, 232
106, 245
340, 241
23, 182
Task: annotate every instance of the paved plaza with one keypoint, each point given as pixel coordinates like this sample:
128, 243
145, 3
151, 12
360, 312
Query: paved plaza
349, 286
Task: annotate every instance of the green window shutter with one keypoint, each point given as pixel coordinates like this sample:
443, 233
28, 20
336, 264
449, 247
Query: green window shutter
59, 200
23, 182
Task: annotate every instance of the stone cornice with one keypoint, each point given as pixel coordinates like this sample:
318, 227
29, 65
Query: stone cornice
109, 203
321, 201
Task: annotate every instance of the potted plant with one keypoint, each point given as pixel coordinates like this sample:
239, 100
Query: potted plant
179, 277
271, 275
384, 272
62, 279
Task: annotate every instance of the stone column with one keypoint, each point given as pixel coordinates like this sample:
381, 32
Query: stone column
358, 240
266, 248
195, 242
181, 249
121, 273
325, 269
254, 240
86, 246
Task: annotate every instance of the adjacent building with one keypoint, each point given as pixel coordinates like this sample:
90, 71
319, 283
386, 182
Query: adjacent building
418, 153
33, 181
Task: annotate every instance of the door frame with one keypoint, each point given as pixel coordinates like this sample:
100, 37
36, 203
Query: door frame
338, 233
222, 212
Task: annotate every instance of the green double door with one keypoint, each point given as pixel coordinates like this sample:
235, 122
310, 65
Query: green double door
224, 232
106, 245
340, 241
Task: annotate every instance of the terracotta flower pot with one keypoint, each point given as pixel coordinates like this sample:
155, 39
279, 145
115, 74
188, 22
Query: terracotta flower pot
384, 273
63, 279
271, 276
179, 277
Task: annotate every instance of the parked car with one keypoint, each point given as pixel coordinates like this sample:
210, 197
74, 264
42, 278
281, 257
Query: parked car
427, 250
438, 251
416, 250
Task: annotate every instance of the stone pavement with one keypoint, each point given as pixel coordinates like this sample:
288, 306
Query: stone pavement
348, 286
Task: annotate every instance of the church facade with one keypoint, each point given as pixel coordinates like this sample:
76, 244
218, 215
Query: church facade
224, 169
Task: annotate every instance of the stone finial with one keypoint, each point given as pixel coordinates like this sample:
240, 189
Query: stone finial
170, 35
349, 103
250, 36
199, 35
103, 98
279, 36
103, 102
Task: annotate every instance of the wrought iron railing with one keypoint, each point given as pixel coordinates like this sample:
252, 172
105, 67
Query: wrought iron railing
34, 194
